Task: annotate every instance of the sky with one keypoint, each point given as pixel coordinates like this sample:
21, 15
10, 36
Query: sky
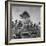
33, 11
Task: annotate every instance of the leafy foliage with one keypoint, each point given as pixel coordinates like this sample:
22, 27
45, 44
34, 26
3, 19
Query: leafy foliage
32, 30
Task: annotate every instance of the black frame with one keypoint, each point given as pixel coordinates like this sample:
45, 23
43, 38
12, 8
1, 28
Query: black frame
6, 23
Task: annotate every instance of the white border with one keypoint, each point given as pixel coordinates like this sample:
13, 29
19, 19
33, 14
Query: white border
29, 39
